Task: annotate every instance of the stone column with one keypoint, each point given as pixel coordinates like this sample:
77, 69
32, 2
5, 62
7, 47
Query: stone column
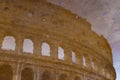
96, 66
37, 48
19, 44
16, 72
68, 55
1, 41
2, 35
100, 68
57, 75
82, 77
36, 73
79, 60
88, 62
54, 50
53, 75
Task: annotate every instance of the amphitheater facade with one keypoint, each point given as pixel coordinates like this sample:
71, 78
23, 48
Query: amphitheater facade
42, 41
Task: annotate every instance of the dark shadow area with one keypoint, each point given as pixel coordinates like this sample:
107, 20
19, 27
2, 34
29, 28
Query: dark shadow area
27, 74
6, 72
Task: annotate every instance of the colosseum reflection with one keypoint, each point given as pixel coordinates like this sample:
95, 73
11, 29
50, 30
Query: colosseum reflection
42, 41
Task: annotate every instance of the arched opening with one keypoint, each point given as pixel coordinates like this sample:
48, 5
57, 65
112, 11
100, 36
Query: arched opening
77, 78
46, 76
60, 53
28, 46
9, 43
45, 49
27, 74
73, 57
6, 72
63, 77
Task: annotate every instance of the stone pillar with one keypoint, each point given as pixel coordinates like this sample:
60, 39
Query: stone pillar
1, 40
100, 68
82, 77
19, 44
68, 55
54, 50
16, 72
71, 76
96, 66
36, 73
53, 75
57, 75
2, 35
39, 73
79, 60
37, 48
88, 62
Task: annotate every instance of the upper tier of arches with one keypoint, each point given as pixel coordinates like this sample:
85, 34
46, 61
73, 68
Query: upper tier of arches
47, 50
49, 17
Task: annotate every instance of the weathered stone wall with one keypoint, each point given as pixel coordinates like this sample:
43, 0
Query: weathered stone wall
101, 69
39, 14
41, 22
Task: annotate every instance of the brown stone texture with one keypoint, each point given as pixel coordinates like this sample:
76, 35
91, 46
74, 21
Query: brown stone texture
40, 22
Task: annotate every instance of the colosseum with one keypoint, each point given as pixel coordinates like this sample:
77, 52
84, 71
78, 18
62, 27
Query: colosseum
43, 41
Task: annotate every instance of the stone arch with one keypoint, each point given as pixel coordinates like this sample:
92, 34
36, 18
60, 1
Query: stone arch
27, 74
6, 72
45, 49
61, 53
9, 43
63, 77
77, 78
46, 75
28, 46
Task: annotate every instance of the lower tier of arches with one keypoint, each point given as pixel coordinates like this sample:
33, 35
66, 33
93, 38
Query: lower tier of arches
26, 71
